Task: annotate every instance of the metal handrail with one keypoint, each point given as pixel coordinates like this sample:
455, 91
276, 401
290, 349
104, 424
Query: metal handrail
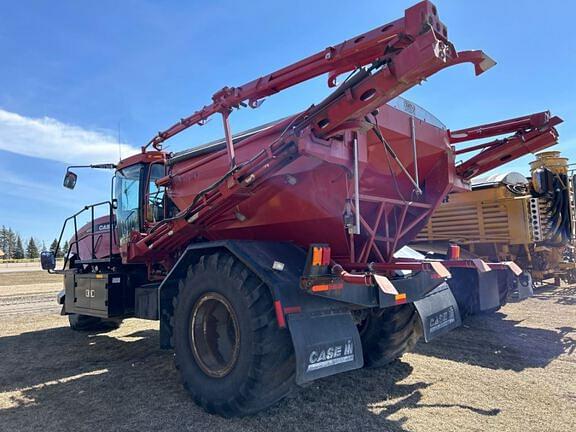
77, 240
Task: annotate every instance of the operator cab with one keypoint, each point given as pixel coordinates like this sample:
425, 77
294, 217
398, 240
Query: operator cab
136, 205
140, 203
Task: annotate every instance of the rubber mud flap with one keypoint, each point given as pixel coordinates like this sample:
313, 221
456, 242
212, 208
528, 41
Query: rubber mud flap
523, 286
488, 290
325, 345
438, 312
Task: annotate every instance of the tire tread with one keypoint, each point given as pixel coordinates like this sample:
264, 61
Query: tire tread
272, 369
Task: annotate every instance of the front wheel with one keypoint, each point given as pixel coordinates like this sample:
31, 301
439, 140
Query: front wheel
232, 356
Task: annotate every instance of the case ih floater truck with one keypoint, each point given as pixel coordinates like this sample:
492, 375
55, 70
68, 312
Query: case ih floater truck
269, 256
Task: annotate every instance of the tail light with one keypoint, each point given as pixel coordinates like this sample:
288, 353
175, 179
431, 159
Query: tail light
318, 262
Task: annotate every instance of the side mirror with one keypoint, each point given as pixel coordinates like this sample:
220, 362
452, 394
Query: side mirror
70, 180
47, 260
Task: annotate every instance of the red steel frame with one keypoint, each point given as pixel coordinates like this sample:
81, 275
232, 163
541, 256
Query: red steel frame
531, 133
381, 219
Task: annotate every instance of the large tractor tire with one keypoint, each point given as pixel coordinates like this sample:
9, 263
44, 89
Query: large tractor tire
233, 358
389, 333
88, 323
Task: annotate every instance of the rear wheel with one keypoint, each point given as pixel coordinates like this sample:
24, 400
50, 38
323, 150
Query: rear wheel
232, 356
389, 333
88, 323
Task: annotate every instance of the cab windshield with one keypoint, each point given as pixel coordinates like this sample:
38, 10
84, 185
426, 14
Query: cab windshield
127, 190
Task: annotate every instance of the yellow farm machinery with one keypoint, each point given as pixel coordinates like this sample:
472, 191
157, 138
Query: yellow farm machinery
508, 216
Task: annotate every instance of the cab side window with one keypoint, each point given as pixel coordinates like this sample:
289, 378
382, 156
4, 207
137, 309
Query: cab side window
155, 202
127, 192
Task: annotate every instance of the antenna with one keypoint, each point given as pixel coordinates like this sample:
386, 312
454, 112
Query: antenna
119, 145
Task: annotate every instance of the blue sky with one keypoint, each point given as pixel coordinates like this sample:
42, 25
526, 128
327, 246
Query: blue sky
78, 77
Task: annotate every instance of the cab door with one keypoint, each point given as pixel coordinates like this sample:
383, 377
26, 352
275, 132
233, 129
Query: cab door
154, 195
128, 191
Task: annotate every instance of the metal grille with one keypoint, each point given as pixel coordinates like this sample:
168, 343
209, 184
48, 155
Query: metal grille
469, 222
535, 221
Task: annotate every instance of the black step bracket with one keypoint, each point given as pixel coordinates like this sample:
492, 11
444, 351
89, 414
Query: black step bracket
325, 344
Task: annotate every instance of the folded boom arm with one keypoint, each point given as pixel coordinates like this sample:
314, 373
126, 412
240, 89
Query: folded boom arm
380, 44
531, 133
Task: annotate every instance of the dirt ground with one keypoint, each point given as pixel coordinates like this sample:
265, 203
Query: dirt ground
510, 371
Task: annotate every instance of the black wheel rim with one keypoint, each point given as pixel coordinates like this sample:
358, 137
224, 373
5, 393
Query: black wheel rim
214, 335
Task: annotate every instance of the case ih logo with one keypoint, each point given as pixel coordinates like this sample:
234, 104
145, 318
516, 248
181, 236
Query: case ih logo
330, 356
442, 319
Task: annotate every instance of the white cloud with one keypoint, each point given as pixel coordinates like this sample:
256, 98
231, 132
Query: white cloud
19, 187
51, 139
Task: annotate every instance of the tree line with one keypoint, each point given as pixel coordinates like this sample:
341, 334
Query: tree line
12, 245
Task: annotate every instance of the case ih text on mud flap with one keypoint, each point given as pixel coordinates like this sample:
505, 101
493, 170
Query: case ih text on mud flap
332, 355
438, 312
324, 345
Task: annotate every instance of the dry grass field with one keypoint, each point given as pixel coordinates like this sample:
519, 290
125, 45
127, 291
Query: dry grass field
510, 371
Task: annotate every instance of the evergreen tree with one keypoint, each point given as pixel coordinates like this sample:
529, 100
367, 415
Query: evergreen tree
10, 243
32, 249
18, 249
64, 249
53, 246
4, 240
